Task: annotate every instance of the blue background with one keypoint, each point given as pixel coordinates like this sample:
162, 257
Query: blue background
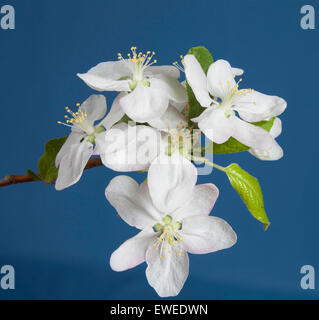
60, 242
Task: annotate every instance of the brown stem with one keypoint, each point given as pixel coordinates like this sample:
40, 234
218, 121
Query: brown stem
14, 179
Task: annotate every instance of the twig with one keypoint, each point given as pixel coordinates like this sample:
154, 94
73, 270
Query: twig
15, 179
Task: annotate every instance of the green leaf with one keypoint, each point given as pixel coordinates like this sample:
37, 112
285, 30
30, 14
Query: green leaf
203, 56
267, 125
232, 145
249, 190
46, 164
124, 119
33, 175
205, 59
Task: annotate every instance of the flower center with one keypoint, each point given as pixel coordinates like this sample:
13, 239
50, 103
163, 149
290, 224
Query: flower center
227, 107
180, 66
79, 120
232, 93
182, 139
137, 63
168, 236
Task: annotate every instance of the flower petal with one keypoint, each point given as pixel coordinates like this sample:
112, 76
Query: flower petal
251, 135
144, 103
254, 106
72, 164
272, 154
132, 252
75, 137
202, 202
237, 71
171, 181
112, 70
169, 71
168, 274
220, 79
94, 107
197, 80
170, 119
202, 234
115, 114
275, 152
105, 76
128, 148
215, 125
276, 128
180, 106
100, 84
170, 86
132, 202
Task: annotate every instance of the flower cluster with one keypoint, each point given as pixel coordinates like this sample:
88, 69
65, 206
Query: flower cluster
149, 129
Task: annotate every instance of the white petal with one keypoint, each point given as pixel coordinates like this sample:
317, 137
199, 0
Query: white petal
171, 181
201, 203
204, 234
105, 76
197, 80
170, 119
251, 135
272, 154
169, 71
128, 148
116, 113
75, 137
276, 128
180, 106
275, 152
111, 70
173, 88
168, 274
72, 164
132, 202
215, 125
132, 252
220, 79
144, 103
94, 107
100, 84
237, 71
255, 106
